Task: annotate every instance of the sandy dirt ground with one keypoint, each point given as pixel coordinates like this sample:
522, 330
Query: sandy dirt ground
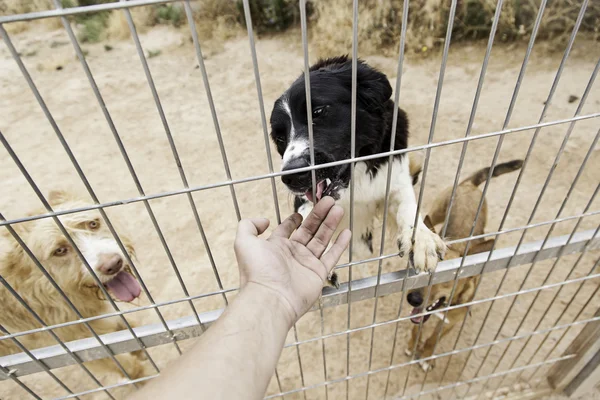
179, 83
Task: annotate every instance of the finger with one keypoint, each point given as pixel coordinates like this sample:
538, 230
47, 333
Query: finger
320, 240
332, 256
252, 227
311, 224
288, 226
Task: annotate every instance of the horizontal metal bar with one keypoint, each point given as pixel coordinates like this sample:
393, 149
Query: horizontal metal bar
184, 328
116, 314
79, 10
218, 292
495, 375
116, 385
372, 372
294, 171
555, 328
446, 270
462, 305
520, 228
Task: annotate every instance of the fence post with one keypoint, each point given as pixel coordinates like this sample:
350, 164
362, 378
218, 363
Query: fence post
579, 375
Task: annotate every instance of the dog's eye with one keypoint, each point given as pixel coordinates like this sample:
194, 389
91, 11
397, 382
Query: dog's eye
61, 251
93, 225
317, 112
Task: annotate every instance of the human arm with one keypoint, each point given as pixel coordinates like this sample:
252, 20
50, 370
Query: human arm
280, 279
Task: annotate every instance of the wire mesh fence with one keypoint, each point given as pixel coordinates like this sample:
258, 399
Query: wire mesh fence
172, 150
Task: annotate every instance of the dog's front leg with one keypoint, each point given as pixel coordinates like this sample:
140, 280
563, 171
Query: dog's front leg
427, 247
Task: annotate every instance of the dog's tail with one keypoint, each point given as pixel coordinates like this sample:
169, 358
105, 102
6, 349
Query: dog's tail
481, 176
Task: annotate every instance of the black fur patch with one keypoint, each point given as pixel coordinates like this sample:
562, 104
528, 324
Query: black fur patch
331, 98
367, 238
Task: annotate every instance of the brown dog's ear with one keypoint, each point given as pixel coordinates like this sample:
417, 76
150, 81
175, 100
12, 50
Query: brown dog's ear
56, 197
428, 224
467, 292
482, 247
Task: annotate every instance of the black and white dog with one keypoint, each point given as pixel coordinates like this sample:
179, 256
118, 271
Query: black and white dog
331, 85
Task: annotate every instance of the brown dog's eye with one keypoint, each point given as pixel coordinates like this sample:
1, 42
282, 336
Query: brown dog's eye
93, 225
61, 251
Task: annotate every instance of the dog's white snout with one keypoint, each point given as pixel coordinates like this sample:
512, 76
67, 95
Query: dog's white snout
109, 264
295, 150
102, 254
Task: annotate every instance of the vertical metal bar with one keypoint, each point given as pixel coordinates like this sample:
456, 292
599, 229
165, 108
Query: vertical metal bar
211, 104
38, 362
539, 323
312, 156
436, 105
182, 175
96, 91
589, 300
529, 151
82, 176
438, 96
352, 165
507, 119
301, 369
51, 333
558, 257
399, 71
261, 104
77, 251
468, 132
263, 119
486, 58
538, 201
554, 85
405, 6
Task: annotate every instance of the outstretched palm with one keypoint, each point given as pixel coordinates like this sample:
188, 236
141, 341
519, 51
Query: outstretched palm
292, 261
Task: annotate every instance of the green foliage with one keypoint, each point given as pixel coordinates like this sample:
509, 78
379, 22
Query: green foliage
93, 27
169, 14
271, 15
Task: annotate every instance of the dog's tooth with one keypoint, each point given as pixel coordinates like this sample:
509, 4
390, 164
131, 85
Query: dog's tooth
328, 181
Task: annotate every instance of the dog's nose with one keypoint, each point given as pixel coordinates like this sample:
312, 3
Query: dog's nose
110, 264
300, 179
415, 298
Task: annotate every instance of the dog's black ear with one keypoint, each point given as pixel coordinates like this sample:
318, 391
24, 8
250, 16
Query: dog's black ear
374, 88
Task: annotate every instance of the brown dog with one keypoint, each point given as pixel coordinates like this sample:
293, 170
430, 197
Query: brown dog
466, 200
54, 252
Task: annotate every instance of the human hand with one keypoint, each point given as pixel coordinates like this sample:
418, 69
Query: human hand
292, 262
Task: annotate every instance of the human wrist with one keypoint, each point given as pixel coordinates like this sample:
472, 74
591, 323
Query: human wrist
271, 301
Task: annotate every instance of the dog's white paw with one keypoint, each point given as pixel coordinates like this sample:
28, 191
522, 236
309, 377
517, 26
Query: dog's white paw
408, 352
427, 249
426, 365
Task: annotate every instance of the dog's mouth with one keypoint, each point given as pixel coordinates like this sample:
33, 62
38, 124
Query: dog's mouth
325, 187
124, 286
418, 310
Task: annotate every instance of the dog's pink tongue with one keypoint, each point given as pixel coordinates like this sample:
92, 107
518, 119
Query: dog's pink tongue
319, 192
124, 286
415, 311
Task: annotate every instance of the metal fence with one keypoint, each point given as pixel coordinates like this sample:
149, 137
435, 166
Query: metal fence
532, 300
